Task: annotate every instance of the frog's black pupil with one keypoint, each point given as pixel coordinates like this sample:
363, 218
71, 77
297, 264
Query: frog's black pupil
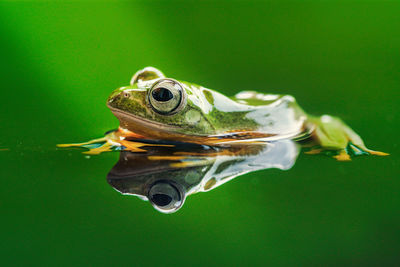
161, 200
162, 94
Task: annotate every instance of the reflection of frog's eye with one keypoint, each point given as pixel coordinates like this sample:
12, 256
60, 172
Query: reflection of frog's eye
165, 197
166, 96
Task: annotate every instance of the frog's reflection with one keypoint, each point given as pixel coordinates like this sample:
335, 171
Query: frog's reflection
166, 175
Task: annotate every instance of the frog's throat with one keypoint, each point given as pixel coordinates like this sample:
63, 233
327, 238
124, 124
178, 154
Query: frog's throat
142, 126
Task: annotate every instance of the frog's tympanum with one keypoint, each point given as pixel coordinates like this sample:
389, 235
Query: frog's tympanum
165, 176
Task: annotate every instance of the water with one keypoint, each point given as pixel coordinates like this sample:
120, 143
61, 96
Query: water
60, 61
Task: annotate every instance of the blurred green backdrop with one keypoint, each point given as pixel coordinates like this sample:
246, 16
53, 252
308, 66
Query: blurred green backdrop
59, 61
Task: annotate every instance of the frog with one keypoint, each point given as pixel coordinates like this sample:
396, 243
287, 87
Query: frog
156, 107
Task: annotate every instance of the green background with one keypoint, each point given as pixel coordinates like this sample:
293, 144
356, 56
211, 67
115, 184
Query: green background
59, 61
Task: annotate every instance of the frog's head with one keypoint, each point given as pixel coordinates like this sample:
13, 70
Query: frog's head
159, 107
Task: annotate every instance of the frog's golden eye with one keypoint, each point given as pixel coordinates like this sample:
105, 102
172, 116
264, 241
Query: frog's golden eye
166, 96
165, 197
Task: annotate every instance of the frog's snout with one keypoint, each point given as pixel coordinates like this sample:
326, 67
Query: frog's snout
165, 197
125, 98
118, 95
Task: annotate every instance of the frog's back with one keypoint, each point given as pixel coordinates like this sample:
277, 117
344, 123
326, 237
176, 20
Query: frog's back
256, 115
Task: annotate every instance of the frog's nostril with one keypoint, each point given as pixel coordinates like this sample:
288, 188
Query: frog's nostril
126, 95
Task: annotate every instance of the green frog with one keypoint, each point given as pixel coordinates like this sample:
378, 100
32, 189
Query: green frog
157, 107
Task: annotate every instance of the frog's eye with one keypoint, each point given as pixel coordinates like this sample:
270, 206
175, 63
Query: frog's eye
165, 197
166, 96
